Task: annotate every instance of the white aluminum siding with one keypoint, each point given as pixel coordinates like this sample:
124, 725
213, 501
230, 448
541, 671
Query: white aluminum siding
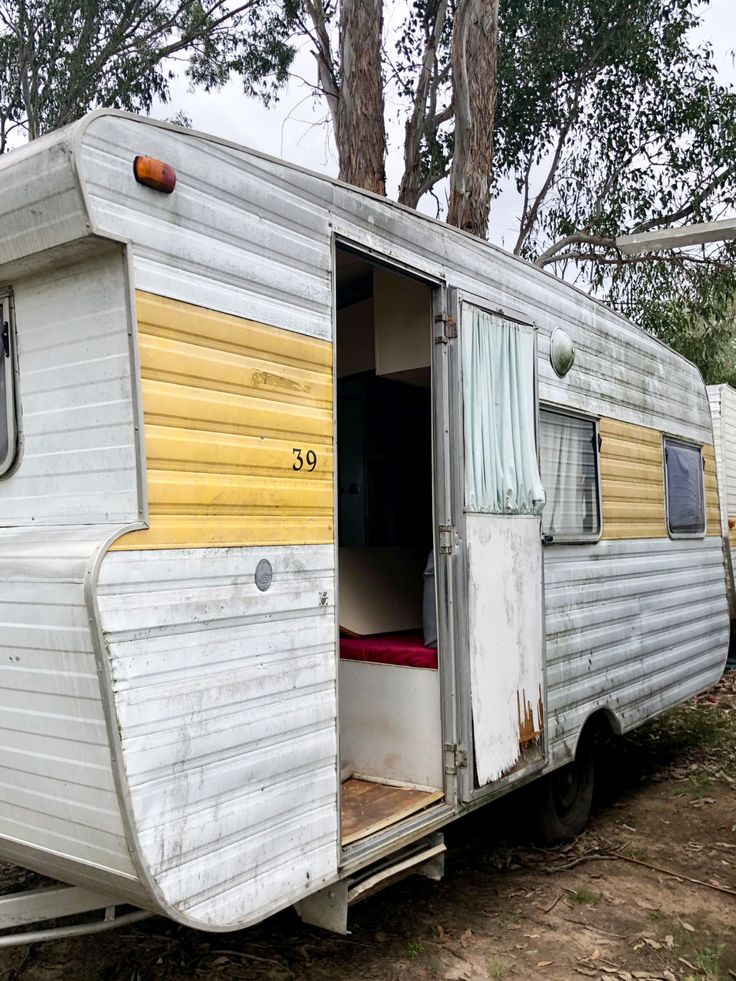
225, 701
41, 203
58, 805
78, 462
632, 626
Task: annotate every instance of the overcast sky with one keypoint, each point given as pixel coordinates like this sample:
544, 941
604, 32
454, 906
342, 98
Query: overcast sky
294, 128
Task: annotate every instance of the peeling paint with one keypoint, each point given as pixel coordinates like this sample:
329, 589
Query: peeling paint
528, 731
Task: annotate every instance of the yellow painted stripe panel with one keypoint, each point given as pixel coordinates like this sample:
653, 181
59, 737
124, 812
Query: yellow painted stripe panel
222, 371
632, 481
224, 531
226, 401
205, 493
161, 317
183, 407
172, 448
712, 506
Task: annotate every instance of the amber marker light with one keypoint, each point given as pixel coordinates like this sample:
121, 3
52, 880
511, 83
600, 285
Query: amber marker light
731, 524
154, 173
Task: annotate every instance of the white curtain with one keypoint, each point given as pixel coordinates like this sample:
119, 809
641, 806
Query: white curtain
501, 472
568, 475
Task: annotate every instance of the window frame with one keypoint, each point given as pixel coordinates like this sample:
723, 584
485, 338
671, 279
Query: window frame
583, 538
8, 365
689, 444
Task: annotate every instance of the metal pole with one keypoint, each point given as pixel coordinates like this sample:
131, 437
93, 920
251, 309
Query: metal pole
78, 930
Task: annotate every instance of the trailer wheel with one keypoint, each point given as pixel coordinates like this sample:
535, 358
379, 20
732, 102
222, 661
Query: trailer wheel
565, 797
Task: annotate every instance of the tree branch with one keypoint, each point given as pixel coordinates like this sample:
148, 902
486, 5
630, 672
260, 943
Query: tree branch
686, 210
323, 54
647, 258
410, 189
529, 220
579, 238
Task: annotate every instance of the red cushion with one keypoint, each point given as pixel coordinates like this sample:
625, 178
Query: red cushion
405, 648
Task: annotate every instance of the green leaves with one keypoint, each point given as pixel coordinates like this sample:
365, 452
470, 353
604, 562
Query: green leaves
610, 121
699, 320
61, 58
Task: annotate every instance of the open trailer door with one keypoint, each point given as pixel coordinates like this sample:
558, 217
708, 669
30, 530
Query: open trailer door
499, 573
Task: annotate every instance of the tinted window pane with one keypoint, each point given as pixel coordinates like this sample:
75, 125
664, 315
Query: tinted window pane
569, 474
685, 504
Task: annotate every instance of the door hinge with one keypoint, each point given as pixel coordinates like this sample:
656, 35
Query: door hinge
445, 327
456, 757
446, 539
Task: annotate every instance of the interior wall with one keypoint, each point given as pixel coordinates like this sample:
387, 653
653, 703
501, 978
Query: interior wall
390, 722
402, 323
356, 345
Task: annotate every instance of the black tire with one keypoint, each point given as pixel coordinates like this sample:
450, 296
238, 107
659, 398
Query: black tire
565, 797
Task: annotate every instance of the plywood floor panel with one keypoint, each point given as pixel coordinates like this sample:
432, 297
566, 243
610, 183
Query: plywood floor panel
368, 807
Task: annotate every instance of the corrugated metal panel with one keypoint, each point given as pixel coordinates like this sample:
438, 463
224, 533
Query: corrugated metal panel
723, 406
728, 415
632, 626
78, 464
712, 505
251, 236
226, 402
714, 399
40, 201
723, 410
225, 698
56, 788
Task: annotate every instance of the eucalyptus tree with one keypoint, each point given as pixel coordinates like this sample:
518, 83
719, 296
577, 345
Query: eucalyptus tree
610, 121
604, 115
444, 45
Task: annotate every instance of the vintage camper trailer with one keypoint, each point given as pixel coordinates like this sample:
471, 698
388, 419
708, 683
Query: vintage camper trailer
258, 431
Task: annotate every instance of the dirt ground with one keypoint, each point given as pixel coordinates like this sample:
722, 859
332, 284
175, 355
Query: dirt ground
505, 909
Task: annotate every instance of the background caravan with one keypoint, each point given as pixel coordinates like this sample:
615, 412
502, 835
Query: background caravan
722, 400
261, 435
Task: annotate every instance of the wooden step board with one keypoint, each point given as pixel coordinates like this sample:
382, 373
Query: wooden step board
368, 807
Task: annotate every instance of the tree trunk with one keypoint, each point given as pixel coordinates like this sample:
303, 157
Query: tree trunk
474, 44
360, 132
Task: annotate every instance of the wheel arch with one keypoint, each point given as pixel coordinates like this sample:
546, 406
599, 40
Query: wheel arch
601, 721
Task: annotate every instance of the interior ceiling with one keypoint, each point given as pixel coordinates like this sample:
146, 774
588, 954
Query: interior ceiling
354, 278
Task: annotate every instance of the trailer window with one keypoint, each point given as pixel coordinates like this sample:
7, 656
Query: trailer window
7, 393
569, 467
683, 464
